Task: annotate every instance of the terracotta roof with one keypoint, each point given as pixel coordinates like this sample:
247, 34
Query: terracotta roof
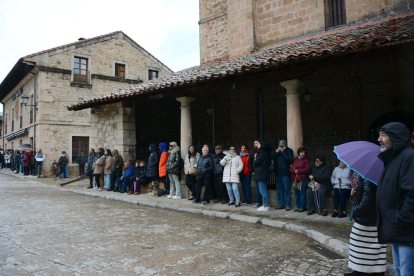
357, 38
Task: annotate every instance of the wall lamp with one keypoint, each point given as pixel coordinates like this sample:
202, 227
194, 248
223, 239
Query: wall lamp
25, 101
307, 96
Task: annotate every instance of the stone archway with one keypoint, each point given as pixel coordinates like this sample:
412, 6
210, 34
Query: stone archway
405, 117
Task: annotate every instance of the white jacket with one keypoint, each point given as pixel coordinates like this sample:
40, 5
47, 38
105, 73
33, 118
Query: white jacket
192, 162
345, 176
232, 168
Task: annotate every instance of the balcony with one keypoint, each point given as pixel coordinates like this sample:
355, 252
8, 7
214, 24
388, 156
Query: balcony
81, 79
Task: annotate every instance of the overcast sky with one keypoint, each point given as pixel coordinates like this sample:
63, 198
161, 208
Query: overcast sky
168, 29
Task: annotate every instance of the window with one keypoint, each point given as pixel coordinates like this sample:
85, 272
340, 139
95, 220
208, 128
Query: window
21, 115
79, 144
12, 129
80, 70
336, 15
152, 74
119, 70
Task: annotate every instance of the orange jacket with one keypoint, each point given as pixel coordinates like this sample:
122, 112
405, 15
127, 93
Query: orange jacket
163, 164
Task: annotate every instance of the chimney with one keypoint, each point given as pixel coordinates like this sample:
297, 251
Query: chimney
81, 38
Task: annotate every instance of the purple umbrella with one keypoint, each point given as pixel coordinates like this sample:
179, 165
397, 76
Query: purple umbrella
362, 157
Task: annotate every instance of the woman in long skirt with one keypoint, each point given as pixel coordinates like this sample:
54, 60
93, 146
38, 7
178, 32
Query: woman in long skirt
366, 255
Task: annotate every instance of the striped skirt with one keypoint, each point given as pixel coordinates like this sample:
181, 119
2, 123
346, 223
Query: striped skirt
365, 253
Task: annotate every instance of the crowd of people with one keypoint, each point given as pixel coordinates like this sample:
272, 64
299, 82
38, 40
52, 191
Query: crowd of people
383, 212
23, 162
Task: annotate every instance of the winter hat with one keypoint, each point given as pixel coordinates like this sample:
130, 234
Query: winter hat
174, 144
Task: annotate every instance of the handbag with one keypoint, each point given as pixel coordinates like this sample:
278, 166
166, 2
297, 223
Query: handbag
192, 171
315, 186
297, 184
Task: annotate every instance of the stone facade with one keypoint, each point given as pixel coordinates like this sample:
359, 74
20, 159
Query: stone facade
229, 28
51, 85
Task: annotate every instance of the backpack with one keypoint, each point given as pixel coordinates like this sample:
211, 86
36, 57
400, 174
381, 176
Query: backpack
181, 164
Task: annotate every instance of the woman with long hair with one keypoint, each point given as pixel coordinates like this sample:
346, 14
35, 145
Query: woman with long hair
246, 175
190, 170
107, 170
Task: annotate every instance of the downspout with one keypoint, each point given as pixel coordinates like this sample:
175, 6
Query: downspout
34, 108
254, 25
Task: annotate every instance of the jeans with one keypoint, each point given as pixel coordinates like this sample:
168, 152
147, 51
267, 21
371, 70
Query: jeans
340, 198
114, 176
246, 184
66, 174
233, 188
107, 181
38, 168
258, 196
175, 188
263, 192
283, 190
190, 182
301, 195
62, 170
123, 184
403, 257
206, 181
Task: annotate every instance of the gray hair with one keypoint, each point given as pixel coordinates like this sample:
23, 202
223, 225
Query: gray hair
128, 162
115, 150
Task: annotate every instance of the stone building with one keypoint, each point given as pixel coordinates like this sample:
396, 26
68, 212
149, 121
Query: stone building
352, 61
36, 92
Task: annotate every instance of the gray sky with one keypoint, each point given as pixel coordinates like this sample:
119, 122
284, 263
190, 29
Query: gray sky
168, 29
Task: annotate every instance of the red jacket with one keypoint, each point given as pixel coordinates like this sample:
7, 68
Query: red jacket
245, 160
302, 166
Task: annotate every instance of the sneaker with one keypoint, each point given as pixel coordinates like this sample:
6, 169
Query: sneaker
257, 205
334, 214
206, 203
151, 193
287, 208
342, 215
263, 209
191, 198
169, 196
296, 209
230, 203
105, 189
237, 205
99, 190
196, 202
176, 197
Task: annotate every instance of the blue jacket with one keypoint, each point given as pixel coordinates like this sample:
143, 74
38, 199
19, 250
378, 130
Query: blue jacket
128, 173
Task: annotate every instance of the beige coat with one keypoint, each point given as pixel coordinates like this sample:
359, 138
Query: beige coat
190, 163
108, 164
232, 169
99, 166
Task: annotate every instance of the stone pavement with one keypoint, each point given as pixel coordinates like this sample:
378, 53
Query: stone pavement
331, 232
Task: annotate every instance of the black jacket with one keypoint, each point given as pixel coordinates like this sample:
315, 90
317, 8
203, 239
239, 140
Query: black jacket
81, 160
262, 163
283, 161
62, 161
365, 210
140, 172
395, 195
322, 175
204, 166
152, 167
218, 168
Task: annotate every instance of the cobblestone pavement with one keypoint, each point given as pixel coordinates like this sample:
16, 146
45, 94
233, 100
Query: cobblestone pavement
46, 231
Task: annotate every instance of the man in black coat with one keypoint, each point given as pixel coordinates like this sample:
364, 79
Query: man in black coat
81, 161
283, 157
395, 195
219, 186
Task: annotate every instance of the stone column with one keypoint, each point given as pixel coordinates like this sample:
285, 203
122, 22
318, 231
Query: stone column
294, 120
186, 133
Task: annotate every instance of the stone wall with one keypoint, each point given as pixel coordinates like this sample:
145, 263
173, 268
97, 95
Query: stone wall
114, 128
232, 28
213, 30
